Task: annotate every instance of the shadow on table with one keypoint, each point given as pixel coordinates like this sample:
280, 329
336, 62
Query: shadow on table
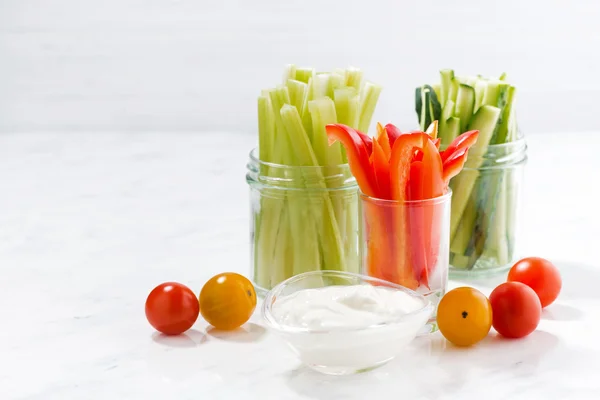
561, 312
190, 338
580, 281
431, 368
249, 332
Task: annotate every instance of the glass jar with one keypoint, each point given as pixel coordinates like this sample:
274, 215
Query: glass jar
407, 243
301, 219
485, 214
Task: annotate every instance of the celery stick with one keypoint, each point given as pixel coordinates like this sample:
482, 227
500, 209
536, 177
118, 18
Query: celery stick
354, 78
304, 74
368, 99
323, 112
266, 127
271, 224
289, 72
305, 113
281, 149
320, 85
297, 91
351, 244
282, 263
335, 82
347, 106
332, 247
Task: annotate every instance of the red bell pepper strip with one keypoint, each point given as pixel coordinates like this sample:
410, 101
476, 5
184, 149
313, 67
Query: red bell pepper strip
465, 140
400, 159
358, 156
367, 141
393, 132
454, 164
437, 143
381, 169
425, 183
384, 142
400, 172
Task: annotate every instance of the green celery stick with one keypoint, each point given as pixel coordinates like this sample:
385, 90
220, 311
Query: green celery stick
368, 99
305, 113
282, 152
323, 112
320, 85
335, 81
282, 265
266, 127
354, 78
297, 91
347, 104
289, 73
332, 247
304, 74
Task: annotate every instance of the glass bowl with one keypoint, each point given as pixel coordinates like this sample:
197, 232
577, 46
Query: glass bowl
345, 350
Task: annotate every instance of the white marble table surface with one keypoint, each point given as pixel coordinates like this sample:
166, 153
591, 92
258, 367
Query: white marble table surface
91, 222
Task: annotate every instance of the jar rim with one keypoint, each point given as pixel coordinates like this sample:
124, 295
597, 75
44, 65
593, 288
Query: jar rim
387, 202
254, 158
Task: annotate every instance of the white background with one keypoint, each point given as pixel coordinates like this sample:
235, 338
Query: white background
196, 65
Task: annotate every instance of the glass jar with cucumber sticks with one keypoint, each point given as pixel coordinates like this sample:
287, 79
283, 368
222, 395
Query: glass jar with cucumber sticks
485, 217
303, 197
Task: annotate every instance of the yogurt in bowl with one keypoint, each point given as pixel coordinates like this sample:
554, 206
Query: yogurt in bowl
341, 323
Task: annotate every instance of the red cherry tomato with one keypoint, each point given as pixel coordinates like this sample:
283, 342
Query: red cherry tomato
516, 309
540, 275
172, 308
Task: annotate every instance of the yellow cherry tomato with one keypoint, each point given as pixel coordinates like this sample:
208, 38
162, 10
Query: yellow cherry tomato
464, 316
227, 301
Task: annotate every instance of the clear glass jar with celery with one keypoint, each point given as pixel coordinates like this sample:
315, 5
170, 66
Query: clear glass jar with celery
487, 193
303, 197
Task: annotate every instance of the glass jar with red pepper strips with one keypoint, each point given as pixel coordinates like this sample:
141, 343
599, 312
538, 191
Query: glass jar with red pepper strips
404, 179
303, 218
485, 216
407, 242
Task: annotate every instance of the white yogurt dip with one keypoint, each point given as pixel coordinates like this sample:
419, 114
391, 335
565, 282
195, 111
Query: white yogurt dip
335, 307
345, 329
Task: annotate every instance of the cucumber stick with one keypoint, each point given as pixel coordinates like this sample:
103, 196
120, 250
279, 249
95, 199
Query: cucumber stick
485, 121
465, 103
447, 75
483, 205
